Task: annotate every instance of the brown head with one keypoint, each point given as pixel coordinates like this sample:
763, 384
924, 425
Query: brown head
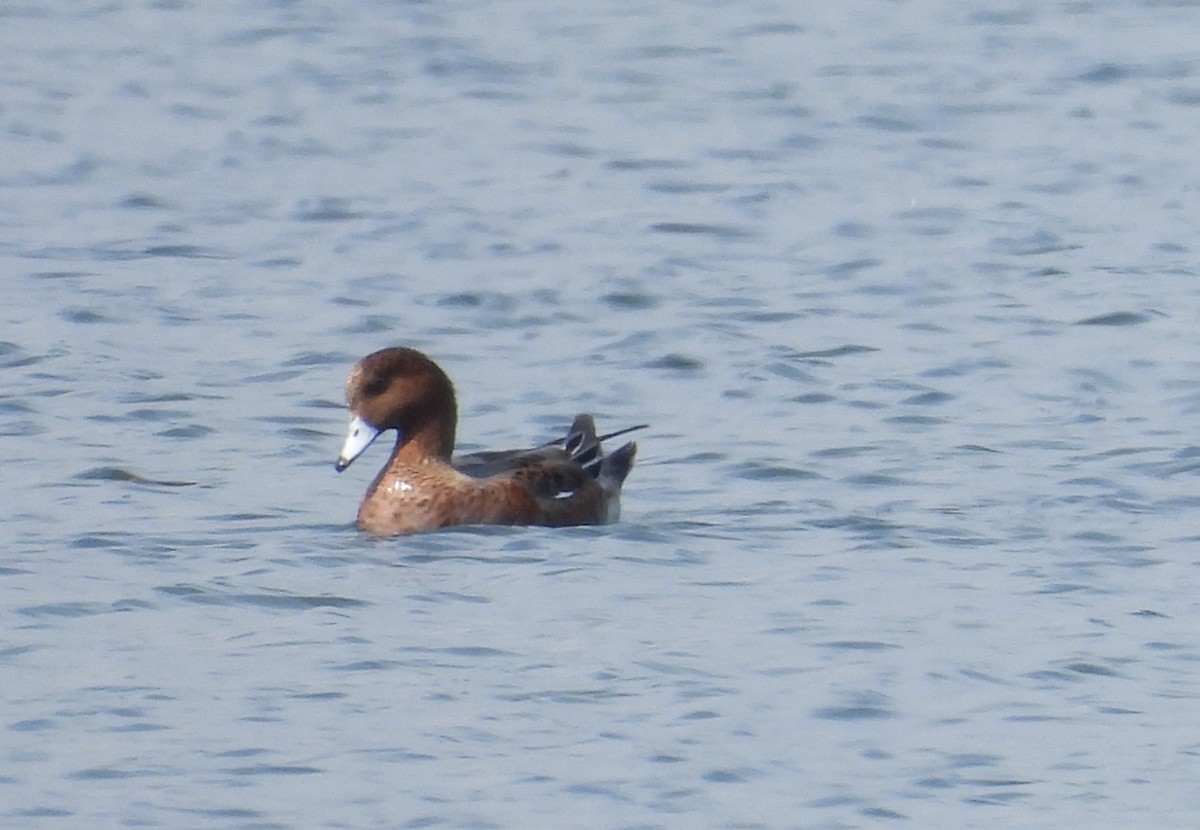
404, 390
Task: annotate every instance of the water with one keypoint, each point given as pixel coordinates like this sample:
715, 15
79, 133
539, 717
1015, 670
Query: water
906, 290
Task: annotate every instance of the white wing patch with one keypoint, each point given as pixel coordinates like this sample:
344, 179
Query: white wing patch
564, 494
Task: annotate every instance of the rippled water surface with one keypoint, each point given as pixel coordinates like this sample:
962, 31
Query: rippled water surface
908, 292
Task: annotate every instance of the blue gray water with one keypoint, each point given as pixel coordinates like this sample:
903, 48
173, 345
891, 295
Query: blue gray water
907, 290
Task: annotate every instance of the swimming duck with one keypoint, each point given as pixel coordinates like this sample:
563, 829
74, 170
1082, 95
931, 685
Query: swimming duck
568, 481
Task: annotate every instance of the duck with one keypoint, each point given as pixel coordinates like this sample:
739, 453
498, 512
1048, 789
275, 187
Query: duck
424, 486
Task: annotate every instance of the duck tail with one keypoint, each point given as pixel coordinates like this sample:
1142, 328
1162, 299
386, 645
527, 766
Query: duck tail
583, 446
615, 466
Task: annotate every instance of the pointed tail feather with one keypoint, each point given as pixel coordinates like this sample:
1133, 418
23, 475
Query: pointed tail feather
622, 432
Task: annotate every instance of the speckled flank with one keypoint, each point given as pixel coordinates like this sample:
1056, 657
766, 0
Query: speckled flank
410, 498
568, 482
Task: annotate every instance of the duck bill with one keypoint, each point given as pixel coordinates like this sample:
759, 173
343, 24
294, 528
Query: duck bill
359, 437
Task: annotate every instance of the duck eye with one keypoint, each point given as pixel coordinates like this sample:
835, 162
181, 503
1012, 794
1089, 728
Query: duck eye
374, 386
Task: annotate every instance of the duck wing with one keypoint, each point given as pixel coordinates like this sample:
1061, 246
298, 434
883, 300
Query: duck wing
579, 447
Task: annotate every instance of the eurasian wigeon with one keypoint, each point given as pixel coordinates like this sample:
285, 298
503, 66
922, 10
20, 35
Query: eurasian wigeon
564, 482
